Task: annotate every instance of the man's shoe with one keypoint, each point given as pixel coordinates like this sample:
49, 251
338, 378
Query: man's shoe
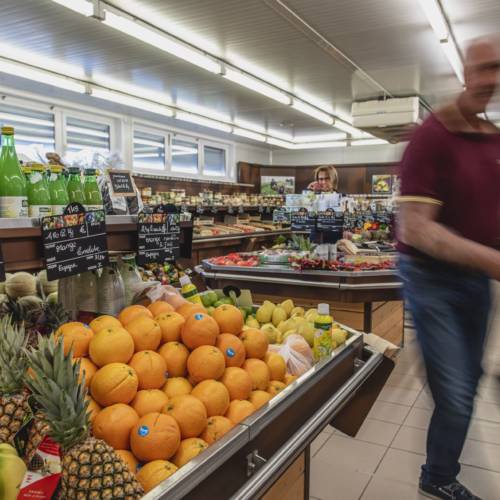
452, 491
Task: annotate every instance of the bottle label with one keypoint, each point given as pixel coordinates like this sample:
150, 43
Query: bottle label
323, 326
40, 210
58, 209
35, 177
13, 206
89, 208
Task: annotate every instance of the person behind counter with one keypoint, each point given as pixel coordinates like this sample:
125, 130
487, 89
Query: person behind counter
326, 180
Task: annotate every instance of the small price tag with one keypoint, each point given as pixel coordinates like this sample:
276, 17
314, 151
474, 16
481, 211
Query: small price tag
121, 182
302, 220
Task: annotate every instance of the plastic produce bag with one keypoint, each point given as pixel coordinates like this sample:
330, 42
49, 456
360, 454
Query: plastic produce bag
296, 353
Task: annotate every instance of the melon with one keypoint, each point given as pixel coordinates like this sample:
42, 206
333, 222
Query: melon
20, 285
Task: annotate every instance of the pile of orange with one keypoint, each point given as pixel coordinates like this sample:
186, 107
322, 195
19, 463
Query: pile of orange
165, 384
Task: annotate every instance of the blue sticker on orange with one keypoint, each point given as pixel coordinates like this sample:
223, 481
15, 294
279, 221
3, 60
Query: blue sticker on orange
198, 316
230, 352
143, 430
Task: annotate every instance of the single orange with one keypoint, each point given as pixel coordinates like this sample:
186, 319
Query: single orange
160, 307
114, 423
229, 319
132, 312
151, 369
171, 324
176, 355
146, 333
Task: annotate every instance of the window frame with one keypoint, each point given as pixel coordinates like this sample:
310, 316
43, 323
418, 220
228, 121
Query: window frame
166, 139
216, 145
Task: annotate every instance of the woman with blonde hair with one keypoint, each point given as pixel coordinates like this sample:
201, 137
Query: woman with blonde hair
326, 179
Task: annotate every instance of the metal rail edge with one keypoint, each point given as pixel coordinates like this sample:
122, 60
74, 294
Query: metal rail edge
284, 456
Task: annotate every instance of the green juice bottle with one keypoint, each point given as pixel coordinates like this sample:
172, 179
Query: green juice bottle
323, 343
13, 192
75, 188
93, 196
59, 198
39, 201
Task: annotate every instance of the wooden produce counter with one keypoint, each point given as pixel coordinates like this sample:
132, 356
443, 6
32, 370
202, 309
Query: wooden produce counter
267, 455
368, 301
21, 240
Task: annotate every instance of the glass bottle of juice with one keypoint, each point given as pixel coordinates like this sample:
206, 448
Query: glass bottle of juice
13, 193
75, 188
323, 343
39, 201
93, 196
189, 291
58, 192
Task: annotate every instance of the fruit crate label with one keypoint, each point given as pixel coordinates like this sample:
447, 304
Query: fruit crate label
303, 220
121, 182
280, 215
74, 242
158, 237
2, 266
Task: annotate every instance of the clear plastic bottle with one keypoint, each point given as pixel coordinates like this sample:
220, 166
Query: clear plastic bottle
111, 290
323, 342
131, 276
87, 296
189, 290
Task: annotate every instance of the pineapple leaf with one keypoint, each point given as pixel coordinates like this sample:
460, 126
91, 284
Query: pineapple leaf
13, 361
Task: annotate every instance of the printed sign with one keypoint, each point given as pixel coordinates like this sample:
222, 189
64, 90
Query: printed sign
302, 220
74, 242
331, 224
281, 216
121, 182
158, 236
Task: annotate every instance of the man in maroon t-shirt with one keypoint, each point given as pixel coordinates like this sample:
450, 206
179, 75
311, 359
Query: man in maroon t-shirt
449, 228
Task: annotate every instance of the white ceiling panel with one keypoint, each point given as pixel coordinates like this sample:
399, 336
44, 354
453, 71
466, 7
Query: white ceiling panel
389, 39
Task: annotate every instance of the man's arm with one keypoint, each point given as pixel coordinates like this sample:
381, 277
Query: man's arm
417, 227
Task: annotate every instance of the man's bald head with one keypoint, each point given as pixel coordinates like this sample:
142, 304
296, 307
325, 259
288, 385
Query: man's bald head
481, 73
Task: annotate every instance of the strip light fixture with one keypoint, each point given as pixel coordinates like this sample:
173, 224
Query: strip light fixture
369, 142
189, 52
39, 75
437, 19
132, 101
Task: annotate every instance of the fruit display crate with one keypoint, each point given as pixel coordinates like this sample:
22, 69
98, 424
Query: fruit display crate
368, 301
21, 240
252, 457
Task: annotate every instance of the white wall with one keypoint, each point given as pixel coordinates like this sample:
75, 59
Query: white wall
341, 156
252, 154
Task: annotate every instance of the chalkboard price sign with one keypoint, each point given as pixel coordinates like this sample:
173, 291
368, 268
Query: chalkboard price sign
158, 237
75, 242
302, 220
121, 182
331, 224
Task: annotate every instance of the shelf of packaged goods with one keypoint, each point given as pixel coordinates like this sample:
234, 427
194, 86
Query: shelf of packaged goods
22, 245
365, 300
309, 404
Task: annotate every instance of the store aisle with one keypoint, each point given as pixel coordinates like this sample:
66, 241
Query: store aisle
383, 461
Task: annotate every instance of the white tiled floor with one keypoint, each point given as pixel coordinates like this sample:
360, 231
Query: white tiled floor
383, 461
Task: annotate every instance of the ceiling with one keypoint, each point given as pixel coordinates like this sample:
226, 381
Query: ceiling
390, 40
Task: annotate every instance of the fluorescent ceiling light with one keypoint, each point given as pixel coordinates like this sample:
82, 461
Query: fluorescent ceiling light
278, 142
315, 145
250, 135
160, 41
40, 76
134, 102
312, 111
256, 85
435, 16
451, 52
335, 136
369, 142
200, 120
355, 132
80, 6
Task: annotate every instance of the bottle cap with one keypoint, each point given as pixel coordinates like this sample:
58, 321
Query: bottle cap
74, 170
324, 309
184, 280
89, 171
7, 130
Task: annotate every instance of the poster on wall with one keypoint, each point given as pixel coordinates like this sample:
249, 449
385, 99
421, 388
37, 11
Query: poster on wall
381, 184
396, 185
276, 184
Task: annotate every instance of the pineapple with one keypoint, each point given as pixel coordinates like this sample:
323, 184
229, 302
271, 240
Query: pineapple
37, 432
90, 468
14, 407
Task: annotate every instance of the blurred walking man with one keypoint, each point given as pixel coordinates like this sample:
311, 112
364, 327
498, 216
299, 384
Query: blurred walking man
448, 233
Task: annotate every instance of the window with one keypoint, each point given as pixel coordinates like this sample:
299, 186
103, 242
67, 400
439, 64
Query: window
149, 151
184, 156
214, 161
86, 135
34, 130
